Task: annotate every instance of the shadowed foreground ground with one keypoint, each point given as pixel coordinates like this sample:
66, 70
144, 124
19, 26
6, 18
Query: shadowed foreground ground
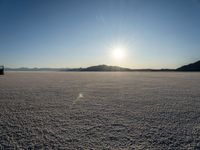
100, 110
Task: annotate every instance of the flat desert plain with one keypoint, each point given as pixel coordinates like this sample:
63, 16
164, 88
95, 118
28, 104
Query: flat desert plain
105, 110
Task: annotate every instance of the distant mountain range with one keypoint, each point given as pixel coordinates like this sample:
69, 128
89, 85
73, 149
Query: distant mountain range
34, 69
113, 68
101, 68
191, 67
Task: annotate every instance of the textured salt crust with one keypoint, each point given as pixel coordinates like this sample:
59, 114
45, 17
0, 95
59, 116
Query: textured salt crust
84, 110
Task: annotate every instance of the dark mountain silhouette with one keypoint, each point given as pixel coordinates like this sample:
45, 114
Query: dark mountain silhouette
114, 68
191, 67
92, 68
106, 68
101, 68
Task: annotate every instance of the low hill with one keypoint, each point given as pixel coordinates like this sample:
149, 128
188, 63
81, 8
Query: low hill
106, 68
101, 68
191, 67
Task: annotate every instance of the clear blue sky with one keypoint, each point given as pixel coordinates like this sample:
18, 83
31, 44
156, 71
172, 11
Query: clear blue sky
79, 33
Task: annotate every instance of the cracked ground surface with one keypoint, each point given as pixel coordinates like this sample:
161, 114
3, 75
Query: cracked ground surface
105, 110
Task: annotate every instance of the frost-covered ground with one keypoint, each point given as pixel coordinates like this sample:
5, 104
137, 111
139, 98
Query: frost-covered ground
82, 110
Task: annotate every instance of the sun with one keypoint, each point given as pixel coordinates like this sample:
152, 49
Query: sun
118, 53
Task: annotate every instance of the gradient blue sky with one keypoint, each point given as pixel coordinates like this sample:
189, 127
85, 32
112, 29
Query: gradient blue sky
79, 33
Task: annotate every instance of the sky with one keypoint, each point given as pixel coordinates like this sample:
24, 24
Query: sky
80, 33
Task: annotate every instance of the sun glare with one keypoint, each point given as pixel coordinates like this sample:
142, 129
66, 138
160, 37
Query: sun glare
118, 53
